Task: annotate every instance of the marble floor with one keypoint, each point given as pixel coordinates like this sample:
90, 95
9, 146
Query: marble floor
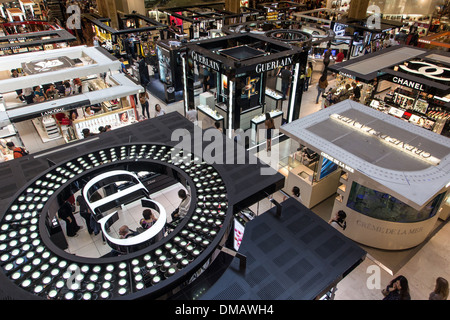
420, 265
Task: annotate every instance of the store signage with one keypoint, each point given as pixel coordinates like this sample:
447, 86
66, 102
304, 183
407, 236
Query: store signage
408, 83
428, 70
115, 198
398, 144
348, 75
50, 112
339, 163
205, 61
47, 65
267, 66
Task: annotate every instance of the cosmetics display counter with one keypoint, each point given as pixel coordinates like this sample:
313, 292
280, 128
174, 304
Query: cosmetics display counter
50, 37
35, 267
203, 21
142, 31
116, 119
111, 93
258, 126
412, 86
274, 99
392, 191
208, 117
240, 67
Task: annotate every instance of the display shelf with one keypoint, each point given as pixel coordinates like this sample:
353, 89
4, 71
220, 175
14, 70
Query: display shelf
273, 99
257, 124
115, 119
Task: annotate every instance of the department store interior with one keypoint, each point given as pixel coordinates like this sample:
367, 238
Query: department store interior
170, 150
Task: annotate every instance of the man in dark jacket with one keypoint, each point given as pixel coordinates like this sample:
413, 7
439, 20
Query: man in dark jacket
143, 71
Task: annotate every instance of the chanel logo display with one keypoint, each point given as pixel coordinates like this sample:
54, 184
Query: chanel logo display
428, 70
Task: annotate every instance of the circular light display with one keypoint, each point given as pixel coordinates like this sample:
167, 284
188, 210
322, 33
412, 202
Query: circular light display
34, 263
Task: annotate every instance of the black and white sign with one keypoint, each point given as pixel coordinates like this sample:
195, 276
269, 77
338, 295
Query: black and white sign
47, 65
428, 70
267, 66
408, 83
205, 61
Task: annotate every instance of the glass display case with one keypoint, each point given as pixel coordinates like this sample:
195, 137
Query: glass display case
383, 206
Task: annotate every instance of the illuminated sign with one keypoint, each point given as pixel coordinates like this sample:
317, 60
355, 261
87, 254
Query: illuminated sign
408, 83
348, 75
398, 144
339, 163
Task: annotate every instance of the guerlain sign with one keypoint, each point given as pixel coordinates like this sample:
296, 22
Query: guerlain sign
205, 61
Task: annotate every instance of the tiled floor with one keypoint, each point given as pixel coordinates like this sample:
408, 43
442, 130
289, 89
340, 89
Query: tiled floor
420, 265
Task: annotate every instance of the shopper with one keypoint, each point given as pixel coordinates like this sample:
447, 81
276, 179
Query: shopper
28, 94
143, 99
331, 98
87, 133
401, 37
191, 114
440, 290
285, 74
77, 85
309, 71
206, 84
340, 56
88, 112
39, 95
123, 67
345, 93
398, 289
183, 208
84, 213
322, 85
217, 126
148, 219
143, 71
65, 213
270, 125
15, 74
327, 57
18, 152
356, 92
159, 111
67, 88
338, 221
392, 41
51, 92
73, 115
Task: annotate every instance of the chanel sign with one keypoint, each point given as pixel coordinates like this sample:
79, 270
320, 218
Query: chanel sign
428, 70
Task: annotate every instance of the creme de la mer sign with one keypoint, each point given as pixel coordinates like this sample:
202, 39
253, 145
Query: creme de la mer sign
398, 144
